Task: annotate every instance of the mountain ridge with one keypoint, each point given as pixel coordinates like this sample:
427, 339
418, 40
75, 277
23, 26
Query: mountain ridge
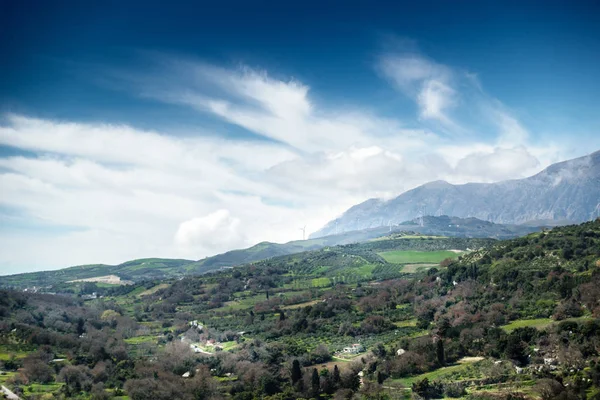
568, 191
162, 268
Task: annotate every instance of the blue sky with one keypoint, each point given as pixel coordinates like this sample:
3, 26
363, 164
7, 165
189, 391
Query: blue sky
184, 129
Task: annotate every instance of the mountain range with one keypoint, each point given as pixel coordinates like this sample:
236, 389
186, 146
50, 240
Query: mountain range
565, 192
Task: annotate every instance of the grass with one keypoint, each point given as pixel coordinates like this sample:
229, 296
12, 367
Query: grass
45, 388
320, 282
300, 305
400, 236
404, 324
154, 289
229, 345
243, 303
7, 356
413, 268
417, 257
140, 339
439, 373
5, 376
538, 323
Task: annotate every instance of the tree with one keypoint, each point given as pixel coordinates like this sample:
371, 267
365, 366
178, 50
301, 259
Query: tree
423, 388
37, 369
379, 350
297, 371
336, 375
202, 385
422, 323
76, 379
98, 392
315, 382
548, 389
440, 352
515, 349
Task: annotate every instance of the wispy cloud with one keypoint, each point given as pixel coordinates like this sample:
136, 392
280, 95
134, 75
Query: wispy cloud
428, 83
134, 193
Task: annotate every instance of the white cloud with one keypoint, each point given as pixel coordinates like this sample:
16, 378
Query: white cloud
499, 164
434, 99
115, 192
429, 83
215, 232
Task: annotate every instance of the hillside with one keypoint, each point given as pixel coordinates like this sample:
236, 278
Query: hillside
146, 268
159, 268
564, 192
396, 315
156, 268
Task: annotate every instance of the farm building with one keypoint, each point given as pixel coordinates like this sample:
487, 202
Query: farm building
354, 349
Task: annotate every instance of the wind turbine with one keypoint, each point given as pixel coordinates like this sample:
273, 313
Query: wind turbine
303, 229
390, 224
420, 217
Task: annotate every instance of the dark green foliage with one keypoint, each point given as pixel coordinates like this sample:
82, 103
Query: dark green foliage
459, 311
439, 351
516, 349
427, 390
297, 371
337, 378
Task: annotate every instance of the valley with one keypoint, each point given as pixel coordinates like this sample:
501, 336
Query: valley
391, 317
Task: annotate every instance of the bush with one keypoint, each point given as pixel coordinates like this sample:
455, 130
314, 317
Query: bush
455, 389
423, 388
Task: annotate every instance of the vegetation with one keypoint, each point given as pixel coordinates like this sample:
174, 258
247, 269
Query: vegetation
159, 268
413, 257
510, 319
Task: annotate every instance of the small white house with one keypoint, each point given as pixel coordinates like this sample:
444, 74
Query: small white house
195, 324
195, 348
354, 349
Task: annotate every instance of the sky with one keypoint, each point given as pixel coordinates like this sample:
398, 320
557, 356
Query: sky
186, 129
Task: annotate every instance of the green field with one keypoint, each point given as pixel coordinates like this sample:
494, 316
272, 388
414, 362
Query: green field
523, 323
416, 257
320, 282
539, 323
141, 339
440, 373
7, 353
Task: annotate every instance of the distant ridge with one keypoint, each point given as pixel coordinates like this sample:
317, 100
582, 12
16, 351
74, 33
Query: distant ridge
160, 268
565, 192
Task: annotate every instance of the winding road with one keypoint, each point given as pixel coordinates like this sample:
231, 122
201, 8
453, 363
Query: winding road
8, 394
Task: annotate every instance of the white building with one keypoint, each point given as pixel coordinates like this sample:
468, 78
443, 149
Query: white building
354, 349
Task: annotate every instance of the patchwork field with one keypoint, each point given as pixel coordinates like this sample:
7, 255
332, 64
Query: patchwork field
416, 257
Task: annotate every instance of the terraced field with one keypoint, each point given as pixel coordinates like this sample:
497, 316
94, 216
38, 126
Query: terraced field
418, 257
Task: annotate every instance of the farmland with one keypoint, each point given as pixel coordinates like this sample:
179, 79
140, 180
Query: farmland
394, 309
416, 257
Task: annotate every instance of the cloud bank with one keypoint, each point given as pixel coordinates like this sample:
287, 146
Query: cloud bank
98, 192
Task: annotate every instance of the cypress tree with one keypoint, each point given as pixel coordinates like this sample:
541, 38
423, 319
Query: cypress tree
296, 371
336, 375
440, 352
315, 381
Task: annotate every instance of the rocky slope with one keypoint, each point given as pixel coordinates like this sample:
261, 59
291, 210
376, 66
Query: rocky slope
562, 193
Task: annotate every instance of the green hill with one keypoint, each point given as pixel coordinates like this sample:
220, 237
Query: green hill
160, 268
429, 316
